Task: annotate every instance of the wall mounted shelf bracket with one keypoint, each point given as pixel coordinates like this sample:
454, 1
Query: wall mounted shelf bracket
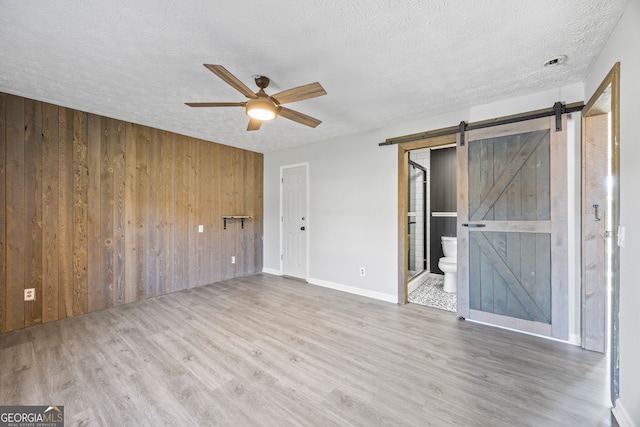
240, 217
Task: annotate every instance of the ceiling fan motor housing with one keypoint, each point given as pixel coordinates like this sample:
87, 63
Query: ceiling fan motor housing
262, 82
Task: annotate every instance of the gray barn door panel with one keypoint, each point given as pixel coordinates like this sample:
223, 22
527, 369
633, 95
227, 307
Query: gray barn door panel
511, 269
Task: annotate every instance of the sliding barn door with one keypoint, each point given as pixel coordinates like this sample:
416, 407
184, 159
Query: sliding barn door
512, 227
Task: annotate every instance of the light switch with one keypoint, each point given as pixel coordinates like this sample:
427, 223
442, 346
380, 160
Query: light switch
201, 229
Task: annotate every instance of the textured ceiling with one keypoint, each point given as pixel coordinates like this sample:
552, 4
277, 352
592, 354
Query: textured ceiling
382, 62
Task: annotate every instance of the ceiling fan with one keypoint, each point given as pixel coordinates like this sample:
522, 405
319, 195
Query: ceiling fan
260, 106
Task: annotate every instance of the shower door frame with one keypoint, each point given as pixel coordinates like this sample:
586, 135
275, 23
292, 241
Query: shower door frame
425, 232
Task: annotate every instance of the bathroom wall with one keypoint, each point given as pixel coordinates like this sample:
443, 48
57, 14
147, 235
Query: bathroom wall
443, 199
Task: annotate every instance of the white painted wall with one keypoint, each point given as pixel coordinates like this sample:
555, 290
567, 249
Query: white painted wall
350, 221
353, 198
623, 46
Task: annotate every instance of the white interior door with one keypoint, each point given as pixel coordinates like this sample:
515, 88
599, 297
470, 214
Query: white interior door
294, 221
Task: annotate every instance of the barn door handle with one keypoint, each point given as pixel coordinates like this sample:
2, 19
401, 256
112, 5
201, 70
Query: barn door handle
474, 225
596, 206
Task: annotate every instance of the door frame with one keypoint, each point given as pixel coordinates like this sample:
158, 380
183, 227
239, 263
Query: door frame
403, 203
307, 217
606, 99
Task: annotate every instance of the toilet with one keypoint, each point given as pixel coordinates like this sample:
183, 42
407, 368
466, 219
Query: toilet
448, 263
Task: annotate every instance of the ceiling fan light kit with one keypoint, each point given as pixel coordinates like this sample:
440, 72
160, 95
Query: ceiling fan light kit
262, 107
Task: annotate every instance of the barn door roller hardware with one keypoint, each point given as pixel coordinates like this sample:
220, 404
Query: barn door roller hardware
557, 110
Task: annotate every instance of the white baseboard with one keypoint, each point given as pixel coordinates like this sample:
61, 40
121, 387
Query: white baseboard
353, 290
271, 271
622, 416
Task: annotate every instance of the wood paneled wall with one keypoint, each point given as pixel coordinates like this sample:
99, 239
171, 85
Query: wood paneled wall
97, 212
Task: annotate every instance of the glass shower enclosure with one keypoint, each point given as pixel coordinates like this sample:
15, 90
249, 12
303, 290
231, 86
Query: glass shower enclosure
417, 219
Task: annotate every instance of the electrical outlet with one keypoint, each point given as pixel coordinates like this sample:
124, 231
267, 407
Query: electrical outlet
201, 229
233, 260
30, 294
362, 272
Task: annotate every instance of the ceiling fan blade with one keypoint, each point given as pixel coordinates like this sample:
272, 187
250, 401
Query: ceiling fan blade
216, 104
231, 80
299, 93
298, 117
254, 124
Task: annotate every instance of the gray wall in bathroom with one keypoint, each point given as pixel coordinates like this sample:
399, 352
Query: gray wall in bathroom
443, 199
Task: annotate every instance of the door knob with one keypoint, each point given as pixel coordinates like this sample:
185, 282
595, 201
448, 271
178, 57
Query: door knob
302, 228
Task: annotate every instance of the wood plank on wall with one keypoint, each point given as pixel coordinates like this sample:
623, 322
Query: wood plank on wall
130, 273
80, 303
50, 201
16, 216
141, 225
227, 166
205, 177
153, 215
180, 215
170, 217
249, 232
215, 215
200, 242
164, 218
194, 236
118, 139
33, 198
239, 206
65, 212
106, 290
94, 210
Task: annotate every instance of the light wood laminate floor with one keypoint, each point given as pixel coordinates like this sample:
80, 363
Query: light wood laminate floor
271, 351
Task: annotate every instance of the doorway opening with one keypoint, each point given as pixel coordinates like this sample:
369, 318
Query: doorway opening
404, 167
432, 216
